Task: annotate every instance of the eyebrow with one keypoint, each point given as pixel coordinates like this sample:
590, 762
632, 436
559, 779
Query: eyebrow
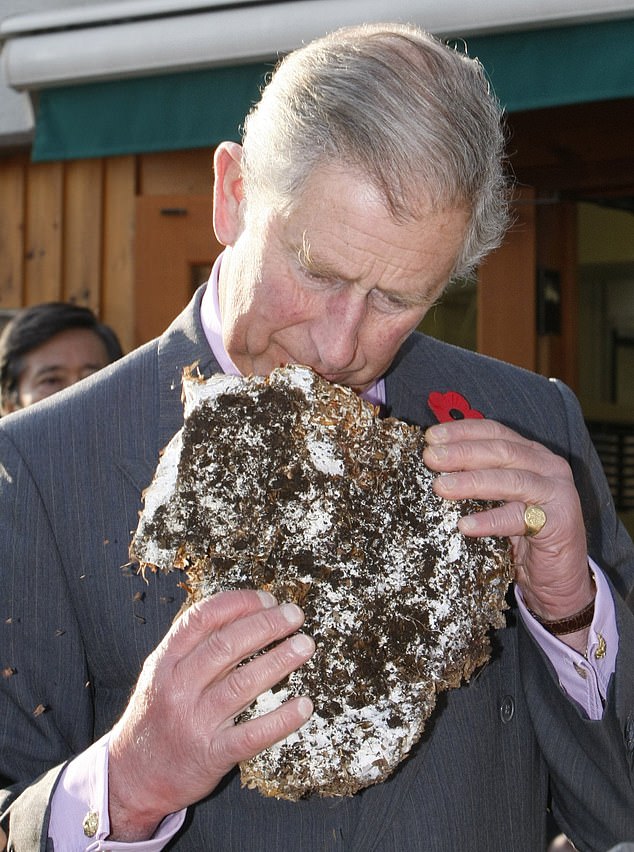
56, 368
319, 265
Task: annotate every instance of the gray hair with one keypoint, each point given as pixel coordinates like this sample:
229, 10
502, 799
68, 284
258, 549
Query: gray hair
414, 115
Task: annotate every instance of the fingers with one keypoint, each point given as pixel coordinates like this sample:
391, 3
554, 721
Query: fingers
240, 742
496, 484
228, 643
229, 629
191, 689
486, 444
212, 613
515, 488
484, 460
506, 520
554, 491
201, 662
235, 691
469, 429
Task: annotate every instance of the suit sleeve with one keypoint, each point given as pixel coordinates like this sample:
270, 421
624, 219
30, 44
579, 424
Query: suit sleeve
608, 541
46, 713
591, 762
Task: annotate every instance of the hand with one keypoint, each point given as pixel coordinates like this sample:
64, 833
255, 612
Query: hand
487, 461
177, 738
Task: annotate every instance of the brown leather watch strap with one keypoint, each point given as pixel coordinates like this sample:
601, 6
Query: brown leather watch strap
561, 626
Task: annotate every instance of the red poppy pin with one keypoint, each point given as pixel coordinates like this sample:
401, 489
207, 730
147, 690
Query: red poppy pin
451, 406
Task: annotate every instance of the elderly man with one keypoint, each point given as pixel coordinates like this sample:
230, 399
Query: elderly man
370, 174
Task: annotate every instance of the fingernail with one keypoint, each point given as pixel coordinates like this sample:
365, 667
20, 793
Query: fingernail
292, 613
445, 482
267, 599
305, 707
437, 433
302, 644
467, 523
437, 453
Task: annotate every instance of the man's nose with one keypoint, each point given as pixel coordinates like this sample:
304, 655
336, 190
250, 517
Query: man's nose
336, 333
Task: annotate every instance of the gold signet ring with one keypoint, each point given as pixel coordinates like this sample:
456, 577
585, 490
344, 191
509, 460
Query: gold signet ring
534, 520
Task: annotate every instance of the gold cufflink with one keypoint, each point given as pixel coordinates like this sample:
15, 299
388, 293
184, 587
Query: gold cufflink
600, 652
91, 823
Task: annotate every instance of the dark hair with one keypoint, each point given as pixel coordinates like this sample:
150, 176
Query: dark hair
31, 327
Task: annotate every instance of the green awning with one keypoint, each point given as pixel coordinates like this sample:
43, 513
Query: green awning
558, 66
195, 109
529, 70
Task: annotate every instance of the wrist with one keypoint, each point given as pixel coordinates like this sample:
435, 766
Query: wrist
129, 826
129, 816
580, 620
570, 621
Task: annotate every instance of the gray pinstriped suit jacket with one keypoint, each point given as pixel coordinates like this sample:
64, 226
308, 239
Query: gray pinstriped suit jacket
76, 632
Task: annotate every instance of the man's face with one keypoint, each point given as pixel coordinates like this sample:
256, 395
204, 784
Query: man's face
63, 360
335, 283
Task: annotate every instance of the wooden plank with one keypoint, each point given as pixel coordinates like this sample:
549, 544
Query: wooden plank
117, 298
12, 202
176, 173
506, 292
82, 232
174, 238
43, 244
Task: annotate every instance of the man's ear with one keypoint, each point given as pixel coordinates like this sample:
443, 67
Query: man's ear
228, 192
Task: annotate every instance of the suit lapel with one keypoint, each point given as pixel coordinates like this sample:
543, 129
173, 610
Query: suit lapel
425, 365
182, 345
409, 382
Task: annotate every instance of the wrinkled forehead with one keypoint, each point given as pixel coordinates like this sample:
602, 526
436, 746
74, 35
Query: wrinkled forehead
350, 192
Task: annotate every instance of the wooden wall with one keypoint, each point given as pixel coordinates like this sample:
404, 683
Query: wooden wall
67, 228
68, 231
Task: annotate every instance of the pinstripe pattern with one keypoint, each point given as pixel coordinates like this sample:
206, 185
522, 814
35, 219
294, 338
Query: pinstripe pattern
76, 624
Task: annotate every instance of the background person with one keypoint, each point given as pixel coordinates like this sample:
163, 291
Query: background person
371, 173
48, 347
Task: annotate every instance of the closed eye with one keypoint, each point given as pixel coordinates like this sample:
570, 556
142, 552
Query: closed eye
320, 279
394, 303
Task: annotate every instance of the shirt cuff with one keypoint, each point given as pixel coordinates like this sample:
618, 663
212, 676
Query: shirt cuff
583, 677
79, 808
